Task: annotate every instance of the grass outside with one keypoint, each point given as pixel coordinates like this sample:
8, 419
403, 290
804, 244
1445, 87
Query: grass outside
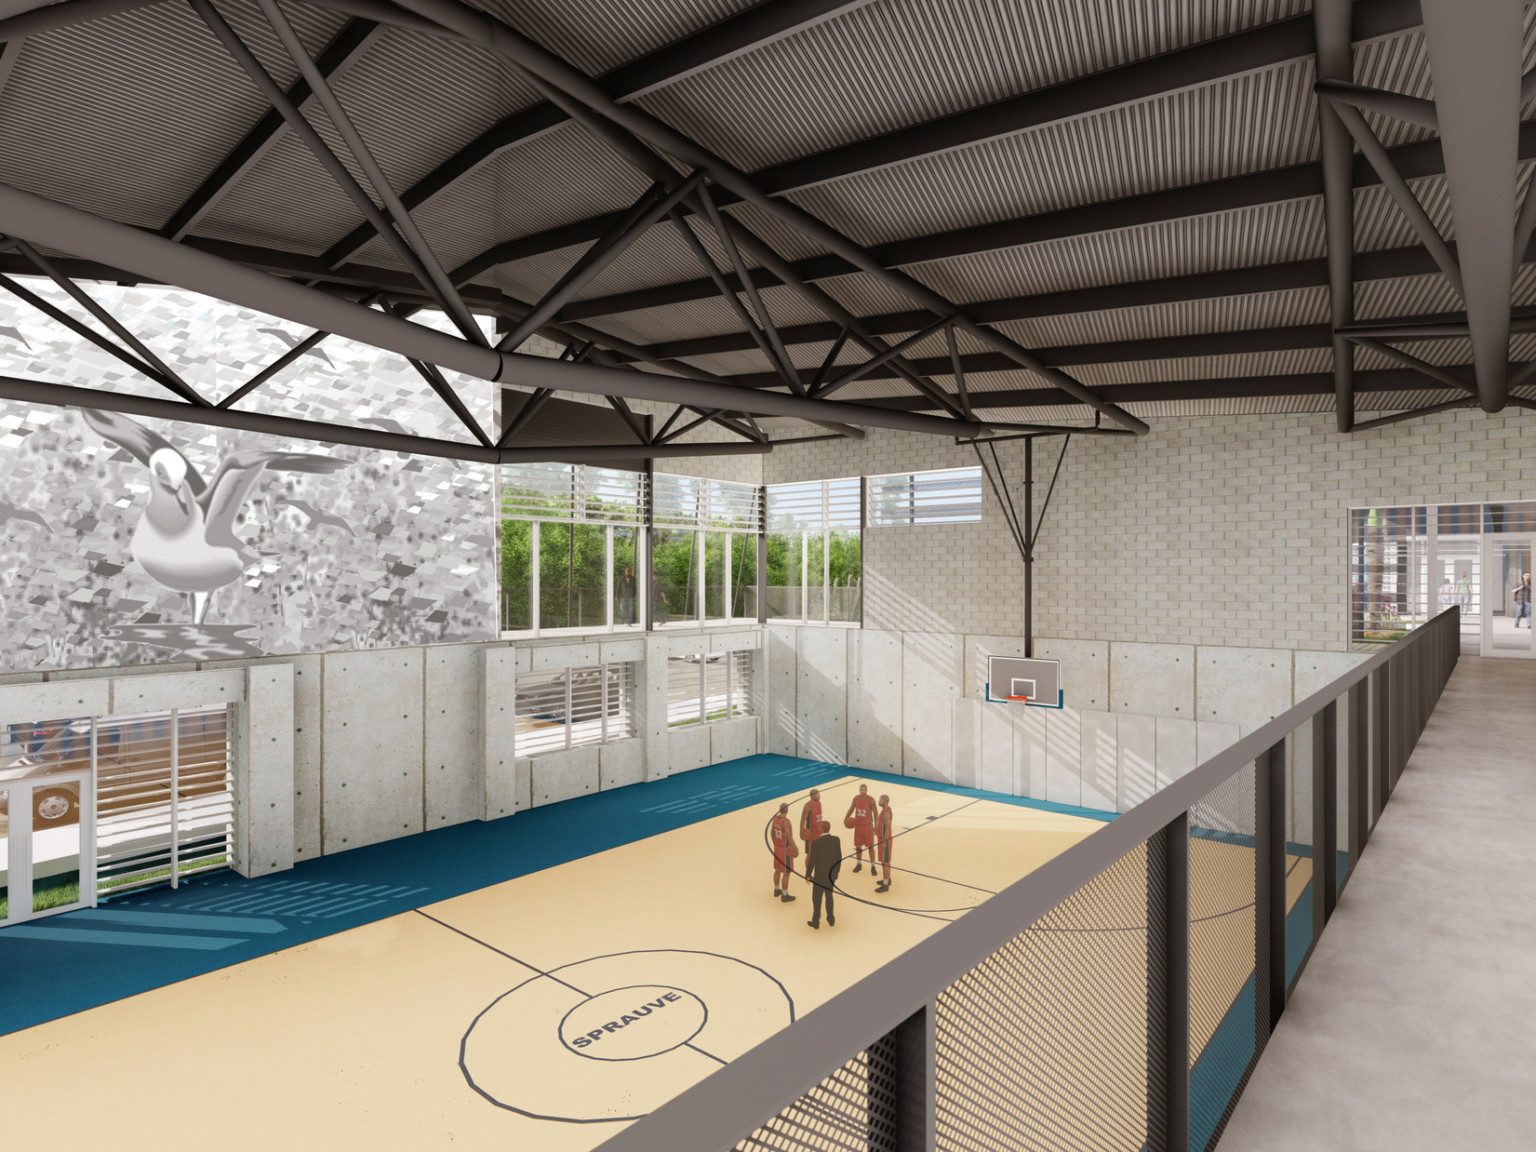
64, 890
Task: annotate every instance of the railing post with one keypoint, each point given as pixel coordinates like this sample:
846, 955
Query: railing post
1380, 739
916, 1083
1175, 972
1359, 790
1269, 886
1325, 815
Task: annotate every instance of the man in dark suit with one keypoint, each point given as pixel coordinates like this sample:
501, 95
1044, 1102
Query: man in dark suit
821, 867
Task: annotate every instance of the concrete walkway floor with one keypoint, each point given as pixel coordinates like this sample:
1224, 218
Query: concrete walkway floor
1414, 1025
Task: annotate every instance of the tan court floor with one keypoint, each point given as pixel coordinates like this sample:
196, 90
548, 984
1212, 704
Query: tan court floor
454, 1025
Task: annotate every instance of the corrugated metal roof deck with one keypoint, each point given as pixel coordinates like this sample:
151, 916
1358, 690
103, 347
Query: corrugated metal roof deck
127, 116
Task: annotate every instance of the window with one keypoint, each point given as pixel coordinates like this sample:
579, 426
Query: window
948, 496
815, 563
705, 547
709, 686
568, 534
574, 707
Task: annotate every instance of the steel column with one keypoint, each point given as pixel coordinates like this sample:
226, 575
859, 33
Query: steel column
1359, 785
1475, 60
916, 1082
1175, 969
1269, 861
1331, 24
1325, 815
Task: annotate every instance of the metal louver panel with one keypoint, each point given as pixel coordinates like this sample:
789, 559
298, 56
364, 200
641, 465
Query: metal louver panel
729, 505
676, 501
950, 496
574, 707
571, 492
163, 800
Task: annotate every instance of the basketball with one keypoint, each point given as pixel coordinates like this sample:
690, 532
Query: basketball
847, 821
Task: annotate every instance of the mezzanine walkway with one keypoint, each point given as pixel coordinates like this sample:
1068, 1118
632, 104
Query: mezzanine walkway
1414, 1025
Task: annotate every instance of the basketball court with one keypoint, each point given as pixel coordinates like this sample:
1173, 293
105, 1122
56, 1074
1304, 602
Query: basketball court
545, 1011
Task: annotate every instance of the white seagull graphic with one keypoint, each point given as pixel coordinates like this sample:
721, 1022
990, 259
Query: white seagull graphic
186, 538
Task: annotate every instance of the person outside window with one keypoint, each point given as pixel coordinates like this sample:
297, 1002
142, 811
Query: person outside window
1464, 591
1522, 593
1447, 594
626, 595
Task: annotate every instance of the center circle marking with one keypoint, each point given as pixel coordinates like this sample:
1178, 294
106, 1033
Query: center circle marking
633, 1023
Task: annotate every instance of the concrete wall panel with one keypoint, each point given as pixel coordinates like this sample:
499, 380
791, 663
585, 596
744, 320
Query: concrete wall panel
498, 734
307, 744
732, 739
995, 771
783, 676
821, 694
651, 693
178, 690
550, 657
454, 777
965, 724
874, 700
564, 775
1101, 761
1212, 737
621, 763
622, 651
1137, 736
1152, 679
1177, 751
1029, 750
57, 700
1314, 671
933, 674
688, 748
372, 765
1084, 670
1063, 755
263, 779
1244, 686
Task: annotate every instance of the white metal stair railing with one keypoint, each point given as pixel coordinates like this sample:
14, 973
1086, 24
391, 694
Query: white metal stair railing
164, 804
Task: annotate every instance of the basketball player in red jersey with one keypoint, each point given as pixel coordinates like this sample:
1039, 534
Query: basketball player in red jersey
860, 817
781, 835
810, 821
885, 821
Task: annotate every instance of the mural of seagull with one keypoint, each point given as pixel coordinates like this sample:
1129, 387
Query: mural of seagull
9, 512
185, 538
317, 517
290, 341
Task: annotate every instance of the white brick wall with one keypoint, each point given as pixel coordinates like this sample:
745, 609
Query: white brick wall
1211, 530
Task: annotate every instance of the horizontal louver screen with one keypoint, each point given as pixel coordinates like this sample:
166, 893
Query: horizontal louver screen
676, 501
162, 797
574, 707
708, 687
951, 496
731, 506
572, 492
814, 506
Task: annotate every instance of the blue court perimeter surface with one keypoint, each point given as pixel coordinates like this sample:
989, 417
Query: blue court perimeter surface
140, 941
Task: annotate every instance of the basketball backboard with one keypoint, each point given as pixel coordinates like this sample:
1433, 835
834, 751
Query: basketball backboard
1022, 680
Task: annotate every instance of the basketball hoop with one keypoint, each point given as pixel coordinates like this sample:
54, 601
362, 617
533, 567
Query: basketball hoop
1018, 699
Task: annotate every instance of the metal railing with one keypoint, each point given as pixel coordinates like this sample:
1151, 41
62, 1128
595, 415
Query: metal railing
1119, 996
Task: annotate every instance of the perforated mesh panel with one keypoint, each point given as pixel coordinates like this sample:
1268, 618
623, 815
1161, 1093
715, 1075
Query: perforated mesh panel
1303, 861
852, 1110
1224, 1037
1044, 1046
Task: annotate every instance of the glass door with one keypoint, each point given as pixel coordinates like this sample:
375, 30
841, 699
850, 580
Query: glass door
46, 845
1507, 607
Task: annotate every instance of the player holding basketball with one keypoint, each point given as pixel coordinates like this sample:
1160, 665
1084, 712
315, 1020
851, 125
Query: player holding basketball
860, 817
781, 836
885, 821
810, 821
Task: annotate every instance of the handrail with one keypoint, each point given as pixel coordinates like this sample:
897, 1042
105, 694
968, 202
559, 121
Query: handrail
762, 1081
